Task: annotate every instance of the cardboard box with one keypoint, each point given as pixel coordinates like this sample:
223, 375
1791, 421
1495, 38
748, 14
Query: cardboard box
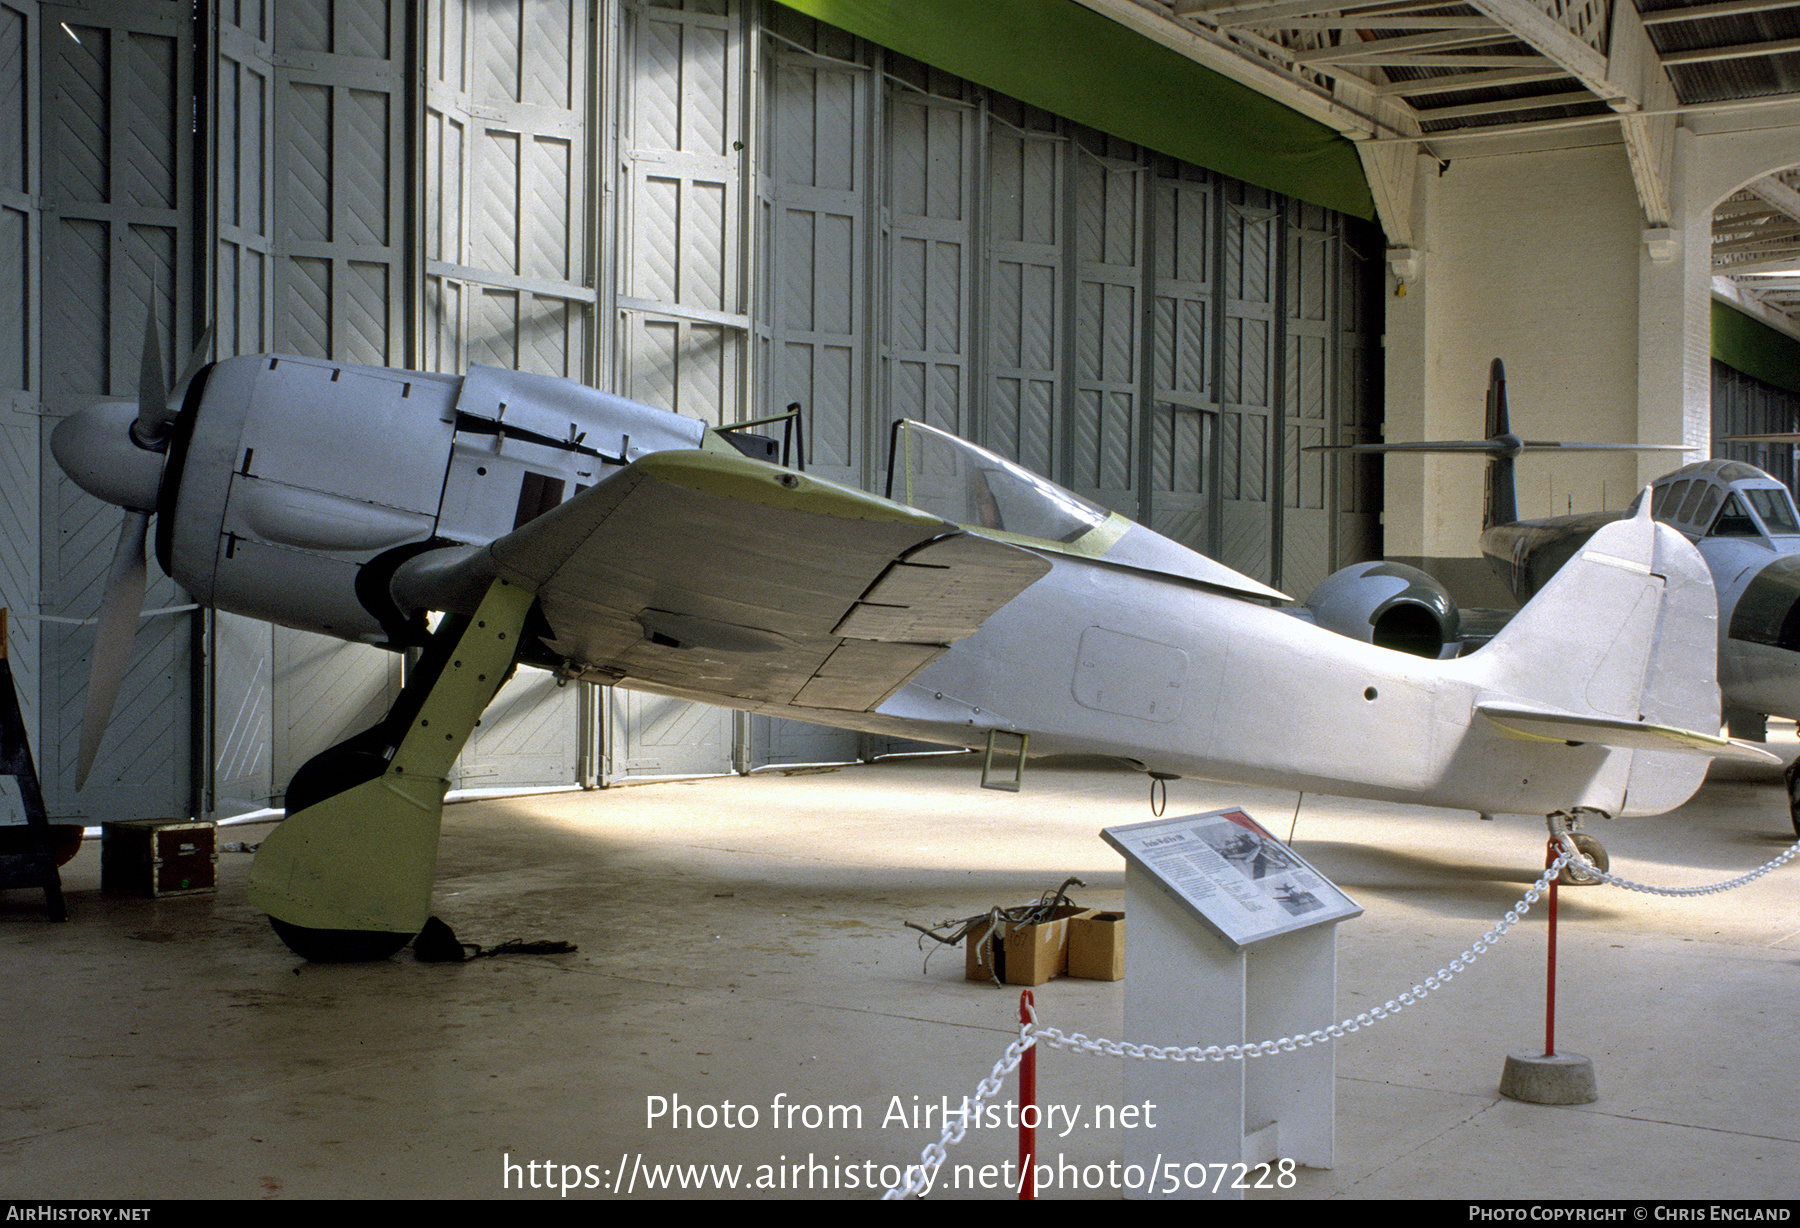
1097, 946
1022, 954
158, 857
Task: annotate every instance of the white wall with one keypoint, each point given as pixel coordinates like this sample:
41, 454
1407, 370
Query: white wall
1534, 259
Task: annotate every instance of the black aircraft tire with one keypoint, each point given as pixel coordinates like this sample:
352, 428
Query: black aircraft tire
1594, 851
339, 946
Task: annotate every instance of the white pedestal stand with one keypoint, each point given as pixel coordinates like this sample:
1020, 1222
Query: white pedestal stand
1186, 986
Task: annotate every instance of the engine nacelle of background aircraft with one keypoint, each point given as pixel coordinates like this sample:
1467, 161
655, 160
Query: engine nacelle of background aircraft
294, 487
1389, 605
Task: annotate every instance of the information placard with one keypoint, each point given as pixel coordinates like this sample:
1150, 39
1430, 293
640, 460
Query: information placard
1231, 873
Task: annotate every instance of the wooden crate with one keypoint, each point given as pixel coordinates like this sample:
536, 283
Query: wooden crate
158, 857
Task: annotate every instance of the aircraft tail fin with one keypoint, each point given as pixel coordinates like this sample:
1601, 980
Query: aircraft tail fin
1619, 649
1501, 447
1502, 505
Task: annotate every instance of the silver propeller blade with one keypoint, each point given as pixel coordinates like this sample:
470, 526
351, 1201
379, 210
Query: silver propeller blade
153, 393
195, 361
124, 600
119, 612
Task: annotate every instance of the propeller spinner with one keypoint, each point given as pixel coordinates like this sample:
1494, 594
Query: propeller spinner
115, 451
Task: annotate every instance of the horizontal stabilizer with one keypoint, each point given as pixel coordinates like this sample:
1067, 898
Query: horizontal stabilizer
1551, 725
1497, 447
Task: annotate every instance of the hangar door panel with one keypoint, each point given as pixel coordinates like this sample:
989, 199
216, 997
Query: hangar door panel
1184, 410
1106, 317
19, 544
1357, 396
930, 147
337, 226
323, 691
243, 110
926, 282
1025, 286
117, 215
340, 181
1745, 405
682, 321
1247, 440
242, 721
240, 681
812, 286
508, 278
650, 735
813, 283
20, 328
682, 318
529, 735
1310, 355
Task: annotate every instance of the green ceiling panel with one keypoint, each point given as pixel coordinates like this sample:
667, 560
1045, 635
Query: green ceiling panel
1078, 64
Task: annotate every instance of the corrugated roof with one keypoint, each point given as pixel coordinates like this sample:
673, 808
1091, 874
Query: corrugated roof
1439, 72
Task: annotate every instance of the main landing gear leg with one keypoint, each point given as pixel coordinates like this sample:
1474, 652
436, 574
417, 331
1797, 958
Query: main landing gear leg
347, 876
1565, 822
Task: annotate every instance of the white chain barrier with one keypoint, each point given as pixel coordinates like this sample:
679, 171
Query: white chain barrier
1570, 853
921, 1176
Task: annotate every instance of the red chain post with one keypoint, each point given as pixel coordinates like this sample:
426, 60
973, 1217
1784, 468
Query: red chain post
1550, 974
1027, 1101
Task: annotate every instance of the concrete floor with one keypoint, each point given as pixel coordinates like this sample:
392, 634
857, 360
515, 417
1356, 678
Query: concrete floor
742, 940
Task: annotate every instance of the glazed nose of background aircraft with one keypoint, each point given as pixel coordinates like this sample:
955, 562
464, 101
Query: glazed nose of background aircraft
1768, 611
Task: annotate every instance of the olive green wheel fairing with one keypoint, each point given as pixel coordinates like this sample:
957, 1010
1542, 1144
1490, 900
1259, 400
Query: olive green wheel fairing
348, 875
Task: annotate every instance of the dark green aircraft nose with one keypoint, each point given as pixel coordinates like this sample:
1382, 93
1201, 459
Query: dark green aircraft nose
1769, 610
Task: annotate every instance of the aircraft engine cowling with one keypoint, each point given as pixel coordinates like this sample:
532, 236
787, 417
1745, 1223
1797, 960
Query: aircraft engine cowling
295, 487
1389, 605
287, 476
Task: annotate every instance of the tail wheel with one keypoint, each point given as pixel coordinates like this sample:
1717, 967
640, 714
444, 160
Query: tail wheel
1576, 875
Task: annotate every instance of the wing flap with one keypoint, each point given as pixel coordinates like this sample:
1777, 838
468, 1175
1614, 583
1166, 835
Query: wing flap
941, 591
859, 674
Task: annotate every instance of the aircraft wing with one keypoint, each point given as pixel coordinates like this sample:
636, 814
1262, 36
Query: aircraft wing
712, 576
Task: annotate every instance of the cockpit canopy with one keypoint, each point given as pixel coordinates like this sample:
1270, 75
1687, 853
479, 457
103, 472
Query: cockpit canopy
1723, 498
936, 472
967, 485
